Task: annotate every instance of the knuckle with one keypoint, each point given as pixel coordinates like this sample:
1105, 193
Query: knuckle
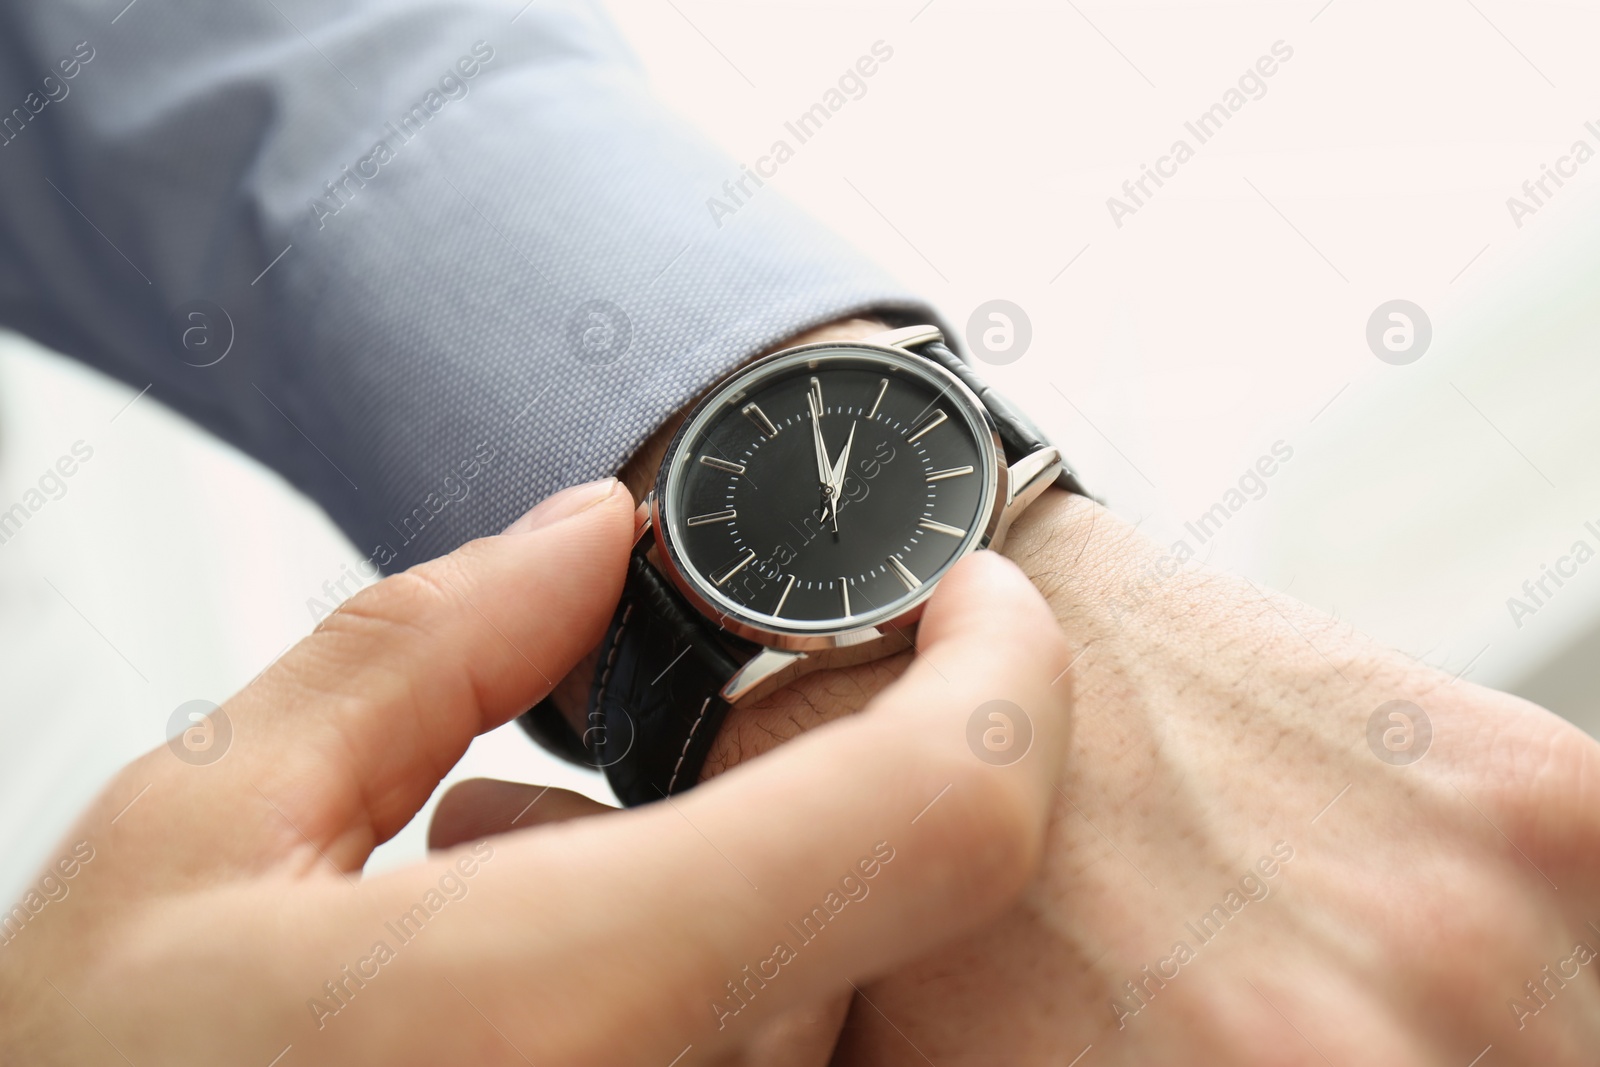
1488, 920
403, 601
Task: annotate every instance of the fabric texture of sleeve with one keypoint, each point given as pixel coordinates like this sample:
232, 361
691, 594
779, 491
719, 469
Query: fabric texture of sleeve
429, 260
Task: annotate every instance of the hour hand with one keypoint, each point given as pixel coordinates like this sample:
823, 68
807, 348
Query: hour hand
824, 471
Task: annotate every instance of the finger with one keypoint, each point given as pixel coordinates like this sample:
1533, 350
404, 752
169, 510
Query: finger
485, 807
800, 1037
571, 693
859, 846
338, 744
1539, 784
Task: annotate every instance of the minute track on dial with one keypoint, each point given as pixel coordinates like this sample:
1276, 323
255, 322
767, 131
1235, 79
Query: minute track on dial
832, 510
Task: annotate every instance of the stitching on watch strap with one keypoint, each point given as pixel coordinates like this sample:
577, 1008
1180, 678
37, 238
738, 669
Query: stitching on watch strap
611, 658
687, 741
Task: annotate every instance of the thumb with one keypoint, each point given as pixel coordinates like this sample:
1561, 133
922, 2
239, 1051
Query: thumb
341, 742
488, 807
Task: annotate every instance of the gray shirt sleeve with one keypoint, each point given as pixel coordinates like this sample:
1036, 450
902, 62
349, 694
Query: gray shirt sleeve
429, 260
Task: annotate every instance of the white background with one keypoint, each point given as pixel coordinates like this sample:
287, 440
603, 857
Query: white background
1229, 313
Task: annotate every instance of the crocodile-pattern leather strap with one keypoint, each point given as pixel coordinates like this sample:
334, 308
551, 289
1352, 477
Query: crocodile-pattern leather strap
654, 707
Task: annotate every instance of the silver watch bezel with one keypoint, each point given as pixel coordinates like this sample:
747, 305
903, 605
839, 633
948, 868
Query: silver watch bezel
878, 628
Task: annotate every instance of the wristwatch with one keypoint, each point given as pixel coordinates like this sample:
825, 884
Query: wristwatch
802, 516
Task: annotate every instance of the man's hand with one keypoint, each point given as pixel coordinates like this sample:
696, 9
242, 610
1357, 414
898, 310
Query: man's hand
1248, 862
209, 910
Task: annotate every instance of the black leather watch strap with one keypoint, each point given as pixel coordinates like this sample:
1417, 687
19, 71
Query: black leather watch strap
545, 724
1020, 436
654, 707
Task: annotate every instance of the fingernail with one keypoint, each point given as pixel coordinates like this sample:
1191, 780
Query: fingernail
563, 505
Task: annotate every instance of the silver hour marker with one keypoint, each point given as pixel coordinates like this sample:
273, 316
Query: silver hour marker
722, 579
783, 597
816, 394
901, 571
883, 387
937, 420
844, 591
725, 465
939, 527
759, 417
716, 516
952, 472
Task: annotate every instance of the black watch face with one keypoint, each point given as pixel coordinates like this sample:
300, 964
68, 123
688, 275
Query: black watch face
827, 489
